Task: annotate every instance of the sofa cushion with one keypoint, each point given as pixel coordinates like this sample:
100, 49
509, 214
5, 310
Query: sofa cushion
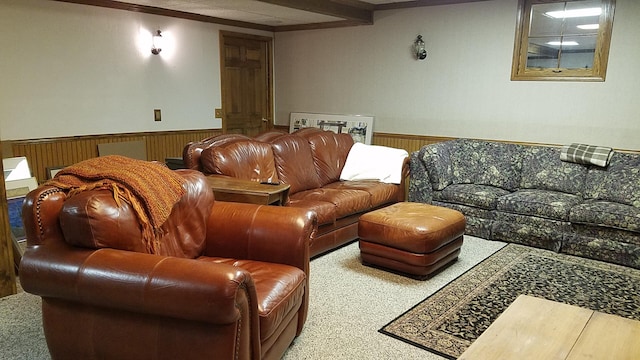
93, 219
542, 169
329, 150
540, 203
607, 214
604, 249
380, 193
193, 150
595, 231
619, 182
242, 159
294, 163
482, 196
529, 230
347, 201
486, 163
326, 211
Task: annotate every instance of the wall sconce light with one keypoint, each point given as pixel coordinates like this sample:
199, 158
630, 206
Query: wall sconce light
156, 44
418, 45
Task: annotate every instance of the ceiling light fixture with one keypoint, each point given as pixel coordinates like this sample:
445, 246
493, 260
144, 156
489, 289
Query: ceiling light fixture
589, 26
563, 43
575, 13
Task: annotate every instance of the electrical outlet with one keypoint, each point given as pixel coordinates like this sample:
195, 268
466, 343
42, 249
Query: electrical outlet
157, 115
218, 113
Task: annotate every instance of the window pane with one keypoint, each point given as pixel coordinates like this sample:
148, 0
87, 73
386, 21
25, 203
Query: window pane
578, 56
545, 25
542, 55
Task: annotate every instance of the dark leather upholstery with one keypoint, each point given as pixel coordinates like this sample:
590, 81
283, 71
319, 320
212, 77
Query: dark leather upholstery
310, 160
231, 281
192, 151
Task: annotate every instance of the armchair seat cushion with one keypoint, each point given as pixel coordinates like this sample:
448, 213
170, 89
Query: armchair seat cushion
279, 289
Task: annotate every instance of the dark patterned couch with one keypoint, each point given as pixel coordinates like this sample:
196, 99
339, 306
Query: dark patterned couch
526, 194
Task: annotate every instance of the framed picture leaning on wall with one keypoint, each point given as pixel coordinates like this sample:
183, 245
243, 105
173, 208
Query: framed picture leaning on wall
360, 127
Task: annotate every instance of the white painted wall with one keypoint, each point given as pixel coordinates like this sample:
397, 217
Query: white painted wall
69, 69
463, 88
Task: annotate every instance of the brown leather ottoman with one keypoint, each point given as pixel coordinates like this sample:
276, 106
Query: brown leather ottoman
411, 238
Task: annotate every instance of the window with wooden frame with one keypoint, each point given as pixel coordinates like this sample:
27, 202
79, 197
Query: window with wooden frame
564, 40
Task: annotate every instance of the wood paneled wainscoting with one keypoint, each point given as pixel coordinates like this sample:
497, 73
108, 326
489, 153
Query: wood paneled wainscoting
410, 143
55, 152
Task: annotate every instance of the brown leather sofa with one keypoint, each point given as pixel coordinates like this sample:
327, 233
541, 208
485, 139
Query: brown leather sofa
310, 160
229, 281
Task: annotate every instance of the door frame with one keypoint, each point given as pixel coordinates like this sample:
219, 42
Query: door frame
269, 73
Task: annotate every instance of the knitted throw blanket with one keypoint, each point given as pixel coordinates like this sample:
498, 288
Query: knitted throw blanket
150, 188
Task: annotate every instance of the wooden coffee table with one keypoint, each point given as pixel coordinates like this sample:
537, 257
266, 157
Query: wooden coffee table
534, 328
236, 190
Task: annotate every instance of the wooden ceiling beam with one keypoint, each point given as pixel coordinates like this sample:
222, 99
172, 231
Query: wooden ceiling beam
419, 3
341, 10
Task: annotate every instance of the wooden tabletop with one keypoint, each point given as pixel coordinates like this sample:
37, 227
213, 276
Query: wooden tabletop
534, 328
232, 189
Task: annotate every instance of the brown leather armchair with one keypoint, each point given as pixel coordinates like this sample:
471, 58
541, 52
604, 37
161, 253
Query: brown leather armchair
230, 280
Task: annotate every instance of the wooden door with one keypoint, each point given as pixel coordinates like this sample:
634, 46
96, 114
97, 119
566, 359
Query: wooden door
7, 274
246, 73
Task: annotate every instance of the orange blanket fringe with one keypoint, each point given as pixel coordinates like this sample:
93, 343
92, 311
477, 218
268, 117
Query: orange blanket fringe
151, 188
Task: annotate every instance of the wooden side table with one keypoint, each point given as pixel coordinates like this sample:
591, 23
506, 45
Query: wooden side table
253, 192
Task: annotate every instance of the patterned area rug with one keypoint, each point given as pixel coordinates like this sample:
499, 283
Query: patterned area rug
448, 322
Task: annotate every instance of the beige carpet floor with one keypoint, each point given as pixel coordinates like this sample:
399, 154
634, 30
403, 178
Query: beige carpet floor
349, 302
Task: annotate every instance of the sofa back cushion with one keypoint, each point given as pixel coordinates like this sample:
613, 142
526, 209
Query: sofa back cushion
242, 159
193, 150
294, 163
329, 151
93, 219
619, 182
542, 169
486, 163
269, 136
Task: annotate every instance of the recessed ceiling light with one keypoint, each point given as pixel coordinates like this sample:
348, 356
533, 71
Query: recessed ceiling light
575, 13
563, 43
589, 26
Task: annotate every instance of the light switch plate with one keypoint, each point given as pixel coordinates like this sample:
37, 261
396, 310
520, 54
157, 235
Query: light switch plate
157, 115
218, 113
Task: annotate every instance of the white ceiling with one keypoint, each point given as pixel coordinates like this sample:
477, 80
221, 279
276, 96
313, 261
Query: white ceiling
240, 10
259, 11
271, 15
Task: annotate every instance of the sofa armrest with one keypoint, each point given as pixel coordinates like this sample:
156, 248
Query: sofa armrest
404, 184
259, 232
419, 184
142, 283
